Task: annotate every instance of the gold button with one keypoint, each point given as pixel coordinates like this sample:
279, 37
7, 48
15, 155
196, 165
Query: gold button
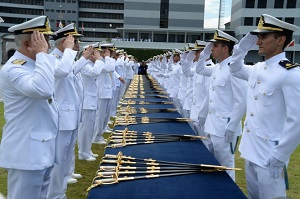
264, 93
258, 81
255, 97
248, 130
210, 100
251, 114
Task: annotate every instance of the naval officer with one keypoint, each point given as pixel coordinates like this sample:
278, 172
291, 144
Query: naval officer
225, 104
28, 143
271, 131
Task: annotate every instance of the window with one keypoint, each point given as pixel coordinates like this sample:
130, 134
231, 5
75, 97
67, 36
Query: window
291, 3
250, 3
278, 4
289, 20
248, 21
262, 4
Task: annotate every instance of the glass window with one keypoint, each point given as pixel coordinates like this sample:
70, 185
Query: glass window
248, 21
262, 4
250, 3
291, 3
278, 4
160, 38
289, 20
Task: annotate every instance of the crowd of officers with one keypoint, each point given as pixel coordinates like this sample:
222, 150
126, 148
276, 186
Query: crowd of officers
217, 96
53, 99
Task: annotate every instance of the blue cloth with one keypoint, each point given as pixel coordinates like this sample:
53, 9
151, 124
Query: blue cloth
214, 185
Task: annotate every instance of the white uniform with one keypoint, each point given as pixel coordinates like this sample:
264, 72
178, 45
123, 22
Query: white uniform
89, 73
128, 73
28, 145
69, 105
199, 92
226, 107
104, 82
272, 118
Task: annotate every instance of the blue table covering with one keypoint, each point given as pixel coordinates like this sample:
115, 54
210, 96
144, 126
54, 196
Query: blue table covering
214, 185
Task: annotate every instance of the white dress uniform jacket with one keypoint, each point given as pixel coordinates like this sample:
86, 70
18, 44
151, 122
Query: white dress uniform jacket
89, 74
28, 140
272, 110
175, 79
104, 80
67, 96
200, 87
226, 99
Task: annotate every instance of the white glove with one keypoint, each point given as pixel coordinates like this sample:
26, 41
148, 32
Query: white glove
247, 42
201, 121
229, 135
276, 167
206, 51
191, 56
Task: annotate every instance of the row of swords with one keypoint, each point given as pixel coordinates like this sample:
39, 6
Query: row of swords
123, 138
117, 168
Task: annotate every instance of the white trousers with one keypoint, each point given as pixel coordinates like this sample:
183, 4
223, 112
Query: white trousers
260, 185
222, 152
122, 91
72, 163
28, 184
60, 173
100, 118
200, 131
85, 133
115, 101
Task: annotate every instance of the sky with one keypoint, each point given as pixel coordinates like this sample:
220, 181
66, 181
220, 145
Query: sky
211, 13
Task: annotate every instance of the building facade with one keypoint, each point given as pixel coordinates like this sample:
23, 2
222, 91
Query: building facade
245, 15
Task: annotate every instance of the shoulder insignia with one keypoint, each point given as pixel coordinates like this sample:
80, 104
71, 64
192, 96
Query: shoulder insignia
19, 62
288, 65
208, 64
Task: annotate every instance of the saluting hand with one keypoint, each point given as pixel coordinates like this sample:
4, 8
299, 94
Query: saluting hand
69, 42
88, 52
95, 56
38, 43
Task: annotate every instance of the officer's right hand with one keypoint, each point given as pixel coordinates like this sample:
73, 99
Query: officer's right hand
247, 42
69, 42
206, 51
38, 43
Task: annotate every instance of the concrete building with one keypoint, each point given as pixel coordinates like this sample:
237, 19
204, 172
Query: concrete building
245, 15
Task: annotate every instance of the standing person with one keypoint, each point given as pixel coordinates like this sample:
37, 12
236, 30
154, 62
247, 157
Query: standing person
271, 131
143, 68
199, 86
105, 92
69, 105
89, 73
129, 62
28, 146
225, 104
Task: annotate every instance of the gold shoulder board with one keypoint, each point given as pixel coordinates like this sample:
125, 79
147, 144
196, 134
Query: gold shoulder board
288, 65
18, 62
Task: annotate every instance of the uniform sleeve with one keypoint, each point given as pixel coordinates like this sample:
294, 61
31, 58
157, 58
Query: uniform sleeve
202, 69
92, 69
39, 84
290, 137
64, 66
187, 68
77, 66
239, 90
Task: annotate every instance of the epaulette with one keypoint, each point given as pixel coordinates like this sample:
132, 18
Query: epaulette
19, 62
208, 64
288, 65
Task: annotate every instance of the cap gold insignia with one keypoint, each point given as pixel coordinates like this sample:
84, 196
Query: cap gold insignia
261, 26
18, 62
46, 30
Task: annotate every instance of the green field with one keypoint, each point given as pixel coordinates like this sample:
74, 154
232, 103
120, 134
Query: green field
88, 169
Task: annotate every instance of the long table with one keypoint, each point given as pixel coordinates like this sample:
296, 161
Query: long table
213, 185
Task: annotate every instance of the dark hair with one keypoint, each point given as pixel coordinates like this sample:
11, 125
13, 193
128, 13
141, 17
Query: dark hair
288, 37
229, 46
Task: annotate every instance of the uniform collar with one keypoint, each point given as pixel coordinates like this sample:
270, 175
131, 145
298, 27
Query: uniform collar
225, 61
276, 58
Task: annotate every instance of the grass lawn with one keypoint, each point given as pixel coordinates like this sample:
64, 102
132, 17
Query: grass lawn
88, 170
